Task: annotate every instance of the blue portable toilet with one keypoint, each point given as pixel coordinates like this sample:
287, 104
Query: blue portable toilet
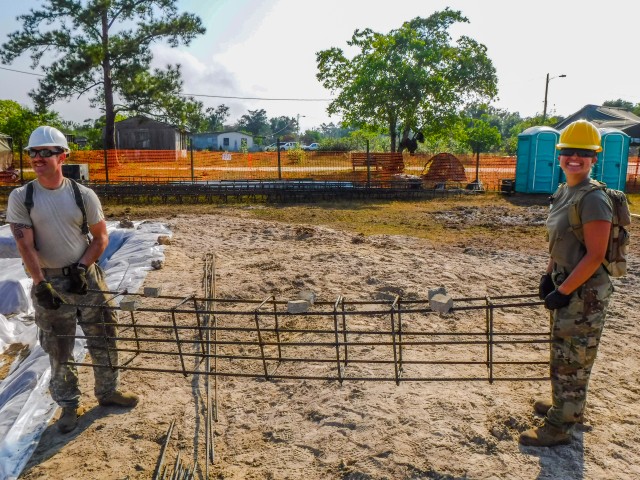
537, 167
611, 167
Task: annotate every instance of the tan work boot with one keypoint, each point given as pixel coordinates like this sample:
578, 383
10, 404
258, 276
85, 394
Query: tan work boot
68, 420
119, 399
541, 407
545, 436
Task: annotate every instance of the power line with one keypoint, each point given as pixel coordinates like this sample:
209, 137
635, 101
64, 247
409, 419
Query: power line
210, 96
22, 71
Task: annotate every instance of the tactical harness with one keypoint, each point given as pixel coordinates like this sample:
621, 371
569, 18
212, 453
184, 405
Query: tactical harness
615, 261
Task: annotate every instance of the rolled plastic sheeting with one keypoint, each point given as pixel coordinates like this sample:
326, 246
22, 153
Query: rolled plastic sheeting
25, 404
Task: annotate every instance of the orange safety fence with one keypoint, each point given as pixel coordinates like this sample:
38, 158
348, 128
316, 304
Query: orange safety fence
163, 166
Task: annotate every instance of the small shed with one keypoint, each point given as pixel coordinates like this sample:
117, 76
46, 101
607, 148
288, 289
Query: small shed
611, 167
142, 133
537, 167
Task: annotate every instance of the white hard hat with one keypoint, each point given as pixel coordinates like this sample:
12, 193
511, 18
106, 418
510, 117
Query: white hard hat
47, 137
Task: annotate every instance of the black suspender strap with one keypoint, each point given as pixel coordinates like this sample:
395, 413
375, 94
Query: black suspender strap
80, 203
28, 203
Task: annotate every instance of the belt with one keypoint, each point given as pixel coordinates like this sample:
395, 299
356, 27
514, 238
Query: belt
56, 272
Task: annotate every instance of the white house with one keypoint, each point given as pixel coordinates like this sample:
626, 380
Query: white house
231, 141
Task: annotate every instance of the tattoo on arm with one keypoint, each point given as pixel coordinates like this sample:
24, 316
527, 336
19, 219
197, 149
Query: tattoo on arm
17, 230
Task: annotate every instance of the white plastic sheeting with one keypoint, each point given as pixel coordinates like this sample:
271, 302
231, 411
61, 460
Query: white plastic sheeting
25, 404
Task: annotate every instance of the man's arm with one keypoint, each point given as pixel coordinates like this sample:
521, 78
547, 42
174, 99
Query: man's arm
98, 243
24, 240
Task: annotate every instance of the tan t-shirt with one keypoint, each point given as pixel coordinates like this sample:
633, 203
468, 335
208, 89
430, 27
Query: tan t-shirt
564, 247
56, 221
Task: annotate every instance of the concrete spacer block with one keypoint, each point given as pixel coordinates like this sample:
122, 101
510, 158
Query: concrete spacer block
129, 303
441, 303
152, 292
436, 291
307, 295
297, 306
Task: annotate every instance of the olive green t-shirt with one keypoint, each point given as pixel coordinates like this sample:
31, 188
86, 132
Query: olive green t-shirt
564, 247
56, 221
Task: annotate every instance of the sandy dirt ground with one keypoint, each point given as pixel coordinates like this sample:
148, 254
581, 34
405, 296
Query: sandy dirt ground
318, 429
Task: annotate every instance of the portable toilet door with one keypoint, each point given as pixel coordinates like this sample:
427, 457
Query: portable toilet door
611, 167
537, 167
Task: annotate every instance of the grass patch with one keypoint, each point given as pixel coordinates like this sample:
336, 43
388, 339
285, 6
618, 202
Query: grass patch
489, 220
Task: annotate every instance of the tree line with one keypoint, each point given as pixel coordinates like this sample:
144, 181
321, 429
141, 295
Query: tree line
413, 88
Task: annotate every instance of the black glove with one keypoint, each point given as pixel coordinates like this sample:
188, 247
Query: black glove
546, 286
78, 275
556, 300
47, 297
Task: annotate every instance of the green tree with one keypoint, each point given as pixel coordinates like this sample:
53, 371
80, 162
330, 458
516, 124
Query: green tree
255, 122
283, 127
216, 117
413, 79
103, 48
18, 122
480, 136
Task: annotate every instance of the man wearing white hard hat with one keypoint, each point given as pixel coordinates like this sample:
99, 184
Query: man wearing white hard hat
60, 232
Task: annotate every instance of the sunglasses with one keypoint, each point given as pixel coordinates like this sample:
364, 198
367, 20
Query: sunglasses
570, 152
44, 153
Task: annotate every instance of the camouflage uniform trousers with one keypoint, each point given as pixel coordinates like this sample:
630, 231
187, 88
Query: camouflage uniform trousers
54, 323
575, 336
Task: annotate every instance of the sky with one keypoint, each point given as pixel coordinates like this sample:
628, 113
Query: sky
267, 49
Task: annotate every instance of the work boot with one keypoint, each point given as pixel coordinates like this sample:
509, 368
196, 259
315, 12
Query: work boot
541, 407
68, 420
545, 436
119, 399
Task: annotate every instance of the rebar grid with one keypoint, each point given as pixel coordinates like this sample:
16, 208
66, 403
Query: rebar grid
402, 340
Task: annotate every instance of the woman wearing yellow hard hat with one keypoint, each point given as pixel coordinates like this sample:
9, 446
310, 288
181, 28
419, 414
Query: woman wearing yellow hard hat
575, 287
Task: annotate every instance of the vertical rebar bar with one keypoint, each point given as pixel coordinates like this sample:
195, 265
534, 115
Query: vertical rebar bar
135, 330
395, 350
397, 303
177, 335
199, 323
163, 451
277, 328
335, 327
344, 332
490, 312
260, 342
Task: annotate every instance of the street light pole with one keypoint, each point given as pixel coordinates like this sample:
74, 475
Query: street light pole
546, 92
298, 126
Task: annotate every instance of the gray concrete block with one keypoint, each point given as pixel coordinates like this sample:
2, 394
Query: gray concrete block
297, 306
307, 295
129, 303
152, 292
436, 291
441, 303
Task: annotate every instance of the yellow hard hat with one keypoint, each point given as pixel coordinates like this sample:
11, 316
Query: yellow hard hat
580, 134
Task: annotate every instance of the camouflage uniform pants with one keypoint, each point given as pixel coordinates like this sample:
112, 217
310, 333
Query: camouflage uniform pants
575, 336
54, 323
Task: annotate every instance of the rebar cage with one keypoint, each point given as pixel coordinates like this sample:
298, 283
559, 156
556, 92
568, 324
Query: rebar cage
342, 340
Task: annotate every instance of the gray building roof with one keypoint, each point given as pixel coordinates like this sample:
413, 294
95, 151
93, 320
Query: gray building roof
606, 117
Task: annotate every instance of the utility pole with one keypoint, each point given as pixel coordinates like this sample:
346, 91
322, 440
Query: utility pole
546, 92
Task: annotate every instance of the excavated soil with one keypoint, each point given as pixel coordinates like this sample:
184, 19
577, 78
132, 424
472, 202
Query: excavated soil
306, 429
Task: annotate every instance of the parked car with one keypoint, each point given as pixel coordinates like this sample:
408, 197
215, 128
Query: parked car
288, 146
313, 146
284, 146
